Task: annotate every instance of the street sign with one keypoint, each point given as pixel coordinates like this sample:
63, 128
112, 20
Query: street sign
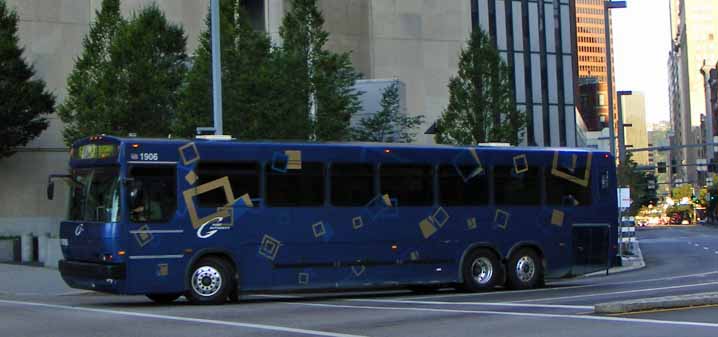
624, 197
702, 165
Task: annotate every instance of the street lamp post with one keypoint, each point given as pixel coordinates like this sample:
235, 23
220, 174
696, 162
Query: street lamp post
607, 5
216, 70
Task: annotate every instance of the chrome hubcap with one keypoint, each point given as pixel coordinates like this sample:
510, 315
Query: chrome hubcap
206, 281
482, 270
525, 268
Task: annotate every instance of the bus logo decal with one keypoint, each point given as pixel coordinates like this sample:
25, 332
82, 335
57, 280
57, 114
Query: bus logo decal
213, 226
79, 229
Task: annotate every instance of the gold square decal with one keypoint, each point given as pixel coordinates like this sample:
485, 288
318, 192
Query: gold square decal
294, 159
189, 153
191, 177
521, 164
501, 219
557, 218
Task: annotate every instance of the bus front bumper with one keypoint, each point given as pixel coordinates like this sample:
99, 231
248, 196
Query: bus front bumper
93, 276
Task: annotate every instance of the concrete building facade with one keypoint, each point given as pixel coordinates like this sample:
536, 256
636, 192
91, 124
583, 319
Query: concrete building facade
538, 41
634, 117
414, 41
694, 33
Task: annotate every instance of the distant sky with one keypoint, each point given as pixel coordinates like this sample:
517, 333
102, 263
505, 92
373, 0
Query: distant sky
641, 41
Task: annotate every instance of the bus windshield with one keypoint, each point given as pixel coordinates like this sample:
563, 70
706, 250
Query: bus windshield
95, 195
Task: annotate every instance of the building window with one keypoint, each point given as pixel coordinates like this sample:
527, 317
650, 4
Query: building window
601, 99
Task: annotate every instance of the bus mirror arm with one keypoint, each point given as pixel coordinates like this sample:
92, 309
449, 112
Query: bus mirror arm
51, 184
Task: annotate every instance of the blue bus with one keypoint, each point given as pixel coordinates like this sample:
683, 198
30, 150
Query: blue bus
212, 219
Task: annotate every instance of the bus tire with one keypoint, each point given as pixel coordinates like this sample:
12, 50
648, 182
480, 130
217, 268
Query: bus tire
481, 270
210, 281
525, 269
164, 298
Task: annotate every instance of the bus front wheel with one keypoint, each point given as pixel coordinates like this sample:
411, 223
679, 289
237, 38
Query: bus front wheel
525, 269
481, 270
210, 281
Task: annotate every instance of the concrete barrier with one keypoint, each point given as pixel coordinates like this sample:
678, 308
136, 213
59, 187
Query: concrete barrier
7, 250
654, 303
26, 251
53, 253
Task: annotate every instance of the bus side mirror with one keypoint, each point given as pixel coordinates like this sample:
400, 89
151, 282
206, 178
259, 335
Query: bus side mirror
50, 190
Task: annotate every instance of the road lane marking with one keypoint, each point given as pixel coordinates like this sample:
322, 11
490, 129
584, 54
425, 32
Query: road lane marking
706, 248
670, 278
617, 292
182, 319
696, 245
511, 313
496, 304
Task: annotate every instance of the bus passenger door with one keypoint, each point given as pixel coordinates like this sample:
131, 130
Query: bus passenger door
590, 248
153, 253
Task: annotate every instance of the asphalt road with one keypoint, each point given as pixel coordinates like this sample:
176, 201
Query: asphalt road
679, 261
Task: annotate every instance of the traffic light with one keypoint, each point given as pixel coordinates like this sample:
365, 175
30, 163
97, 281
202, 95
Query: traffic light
661, 167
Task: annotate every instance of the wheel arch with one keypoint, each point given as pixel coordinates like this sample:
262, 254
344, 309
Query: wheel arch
526, 244
207, 252
473, 247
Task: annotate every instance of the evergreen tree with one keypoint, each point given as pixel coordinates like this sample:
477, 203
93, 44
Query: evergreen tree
84, 108
22, 99
388, 124
315, 76
147, 67
628, 175
129, 76
481, 107
246, 79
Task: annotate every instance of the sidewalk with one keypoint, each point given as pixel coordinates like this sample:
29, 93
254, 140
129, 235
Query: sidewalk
628, 263
29, 280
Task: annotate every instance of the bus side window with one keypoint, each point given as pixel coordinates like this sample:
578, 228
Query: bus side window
455, 191
517, 188
411, 185
352, 184
296, 188
566, 193
243, 178
152, 194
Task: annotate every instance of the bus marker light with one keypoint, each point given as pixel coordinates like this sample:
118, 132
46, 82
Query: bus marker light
135, 146
121, 253
394, 247
188, 251
439, 269
387, 151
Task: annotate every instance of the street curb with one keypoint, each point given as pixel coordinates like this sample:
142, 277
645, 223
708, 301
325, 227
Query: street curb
634, 264
654, 303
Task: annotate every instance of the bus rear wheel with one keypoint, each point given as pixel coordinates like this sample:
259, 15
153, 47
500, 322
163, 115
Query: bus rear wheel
525, 269
163, 298
210, 281
481, 270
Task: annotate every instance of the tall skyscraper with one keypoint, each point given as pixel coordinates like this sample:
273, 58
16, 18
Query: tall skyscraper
634, 117
592, 62
694, 34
